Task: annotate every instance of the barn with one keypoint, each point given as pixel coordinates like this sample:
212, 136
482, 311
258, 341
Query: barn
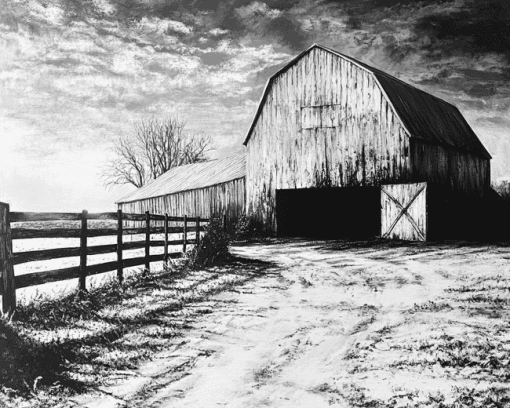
336, 145
215, 187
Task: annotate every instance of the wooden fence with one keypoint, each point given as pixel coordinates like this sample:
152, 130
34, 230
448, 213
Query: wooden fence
9, 282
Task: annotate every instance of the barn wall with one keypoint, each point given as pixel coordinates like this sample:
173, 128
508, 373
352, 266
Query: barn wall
325, 122
228, 198
456, 172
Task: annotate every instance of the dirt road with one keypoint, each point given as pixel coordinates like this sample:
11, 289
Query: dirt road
331, 324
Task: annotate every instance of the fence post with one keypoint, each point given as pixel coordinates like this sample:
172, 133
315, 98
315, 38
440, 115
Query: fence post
6, 266
197, 234
165, 257
147, 241
83, 252
185, 234
120, 269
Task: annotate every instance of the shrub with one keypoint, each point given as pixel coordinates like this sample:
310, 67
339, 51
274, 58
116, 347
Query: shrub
246, 228
213, 248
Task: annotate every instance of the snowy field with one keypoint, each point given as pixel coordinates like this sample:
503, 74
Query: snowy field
347, 324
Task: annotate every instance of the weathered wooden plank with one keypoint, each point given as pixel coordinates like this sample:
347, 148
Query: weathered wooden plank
44, 216
55, 216
159, 230
83, 252
39, 278
42, 255
129, 216
7, 280
197, 228
27, 233
158, 243
147, 240
165, 242
102, 216
120, 269
46, 254
185, 234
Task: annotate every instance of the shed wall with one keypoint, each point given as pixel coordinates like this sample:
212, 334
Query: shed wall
324, 123
225, 198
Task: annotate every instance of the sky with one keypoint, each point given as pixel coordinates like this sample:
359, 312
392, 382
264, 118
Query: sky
76, 74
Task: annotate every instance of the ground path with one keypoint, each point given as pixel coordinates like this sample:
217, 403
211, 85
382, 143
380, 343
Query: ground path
292, 337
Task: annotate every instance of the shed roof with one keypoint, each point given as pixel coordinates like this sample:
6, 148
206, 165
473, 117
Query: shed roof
424, 116
191, 177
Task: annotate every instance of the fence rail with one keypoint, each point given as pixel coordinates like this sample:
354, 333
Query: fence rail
8, 232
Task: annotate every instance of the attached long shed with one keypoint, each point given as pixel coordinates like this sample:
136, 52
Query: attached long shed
326, 120
204, 189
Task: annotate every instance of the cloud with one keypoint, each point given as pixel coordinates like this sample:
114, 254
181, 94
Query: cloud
256, 10
483, 27
76, 74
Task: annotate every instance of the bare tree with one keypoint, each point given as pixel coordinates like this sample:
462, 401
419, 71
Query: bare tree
155, 147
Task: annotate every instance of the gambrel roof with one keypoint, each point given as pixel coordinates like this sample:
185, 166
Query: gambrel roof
424, 116
191, 177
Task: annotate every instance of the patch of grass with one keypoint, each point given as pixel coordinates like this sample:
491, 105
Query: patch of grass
26, 364
432, 307
461, 397
469, 357
213, 248
260, 376
305, 282
492, 397
55, 347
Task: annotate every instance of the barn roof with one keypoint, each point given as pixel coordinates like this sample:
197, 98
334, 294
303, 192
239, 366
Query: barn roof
191, 177
423, 115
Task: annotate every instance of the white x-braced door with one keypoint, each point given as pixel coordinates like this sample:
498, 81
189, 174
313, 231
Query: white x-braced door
404, 211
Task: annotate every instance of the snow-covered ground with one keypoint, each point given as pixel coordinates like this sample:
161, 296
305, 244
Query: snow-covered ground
341, 324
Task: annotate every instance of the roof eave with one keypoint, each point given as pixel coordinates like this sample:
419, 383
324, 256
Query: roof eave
268, 86
178, 192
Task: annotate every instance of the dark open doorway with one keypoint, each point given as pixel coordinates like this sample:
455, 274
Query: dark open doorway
342, 212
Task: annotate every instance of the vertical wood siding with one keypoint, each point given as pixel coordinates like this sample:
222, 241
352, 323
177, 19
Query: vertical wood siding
325, 122
225, 198
460, 173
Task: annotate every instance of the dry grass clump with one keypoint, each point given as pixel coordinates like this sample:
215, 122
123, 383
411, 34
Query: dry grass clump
461, 338
213, 248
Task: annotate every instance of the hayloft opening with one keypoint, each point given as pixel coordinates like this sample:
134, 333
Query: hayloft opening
343, 212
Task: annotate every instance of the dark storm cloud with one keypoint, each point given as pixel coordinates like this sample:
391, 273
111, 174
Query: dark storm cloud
478, 28
204, 14
287, 32
363, 7
270, 21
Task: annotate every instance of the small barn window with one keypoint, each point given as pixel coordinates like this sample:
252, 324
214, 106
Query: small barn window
322, 116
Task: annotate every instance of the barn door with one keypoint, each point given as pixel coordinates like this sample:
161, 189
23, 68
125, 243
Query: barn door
404, 211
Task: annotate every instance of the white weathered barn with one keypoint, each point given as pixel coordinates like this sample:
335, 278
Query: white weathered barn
330, 131
204, 189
